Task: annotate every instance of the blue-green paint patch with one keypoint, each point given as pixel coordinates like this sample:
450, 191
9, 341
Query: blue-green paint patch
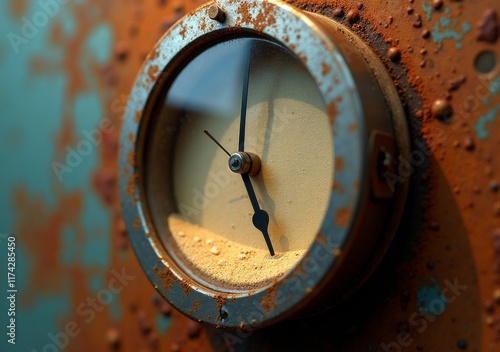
428, 10
69, 247
81, 158
46, 315
96, 283
446, 28
163, 323
96, 220
494, 87
37, 119
482, 123
100, 43
115, 309
68, 23
430, 299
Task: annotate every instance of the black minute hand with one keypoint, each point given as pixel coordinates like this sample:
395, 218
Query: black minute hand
260, 218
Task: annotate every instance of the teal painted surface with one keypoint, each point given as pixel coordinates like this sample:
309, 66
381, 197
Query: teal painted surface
483, 125
100, 42
163, 323
430, 299
447, 28
427, 9
34, 106
484, 122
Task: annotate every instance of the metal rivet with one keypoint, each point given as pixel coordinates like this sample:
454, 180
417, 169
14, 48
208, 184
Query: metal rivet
216, 13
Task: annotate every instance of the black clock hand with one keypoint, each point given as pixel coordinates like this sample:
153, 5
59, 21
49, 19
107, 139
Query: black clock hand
244, 102
260, 218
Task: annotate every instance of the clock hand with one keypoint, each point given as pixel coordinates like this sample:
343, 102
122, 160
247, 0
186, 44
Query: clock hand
217, 142
260, 218
248, 164
244, 103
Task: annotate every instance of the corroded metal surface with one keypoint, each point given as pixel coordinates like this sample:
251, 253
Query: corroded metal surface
78, 69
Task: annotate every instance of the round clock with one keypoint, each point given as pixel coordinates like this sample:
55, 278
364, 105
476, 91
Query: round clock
258, 157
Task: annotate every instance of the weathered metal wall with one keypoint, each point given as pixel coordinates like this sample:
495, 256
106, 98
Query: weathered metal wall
67, 67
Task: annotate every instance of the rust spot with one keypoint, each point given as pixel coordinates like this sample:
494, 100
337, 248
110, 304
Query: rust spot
185, 287
339, 163
105, 183
195, 307
136, 224
338, 186
325, 68
166, 276
130, 189
18, 7
342, 217
332, 112
264, 18
153, 72
268, 302
131, 159
131, 137
221, 300
154, 54
138, 116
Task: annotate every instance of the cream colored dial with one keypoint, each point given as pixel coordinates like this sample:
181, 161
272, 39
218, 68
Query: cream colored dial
286, 126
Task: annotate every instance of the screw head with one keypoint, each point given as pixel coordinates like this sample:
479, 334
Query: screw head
216, 13
236, 163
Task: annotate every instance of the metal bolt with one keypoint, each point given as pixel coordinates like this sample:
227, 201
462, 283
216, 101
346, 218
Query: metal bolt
244, 163
236, 163
441, 110
216, 13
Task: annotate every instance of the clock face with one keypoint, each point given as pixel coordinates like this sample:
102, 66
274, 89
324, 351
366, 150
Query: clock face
209, 229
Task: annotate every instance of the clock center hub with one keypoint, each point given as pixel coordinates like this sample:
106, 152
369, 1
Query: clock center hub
244, 163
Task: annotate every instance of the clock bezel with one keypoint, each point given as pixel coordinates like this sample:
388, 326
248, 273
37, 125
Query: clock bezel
335, 245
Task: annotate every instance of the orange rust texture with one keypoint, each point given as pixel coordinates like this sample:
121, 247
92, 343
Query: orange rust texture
166, 276
268, 302
342, 217
136, 26
462, 209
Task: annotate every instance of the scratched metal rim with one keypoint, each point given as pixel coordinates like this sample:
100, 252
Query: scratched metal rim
296, 31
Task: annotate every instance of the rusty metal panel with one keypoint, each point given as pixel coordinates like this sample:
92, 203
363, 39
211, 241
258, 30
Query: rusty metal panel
67, 68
